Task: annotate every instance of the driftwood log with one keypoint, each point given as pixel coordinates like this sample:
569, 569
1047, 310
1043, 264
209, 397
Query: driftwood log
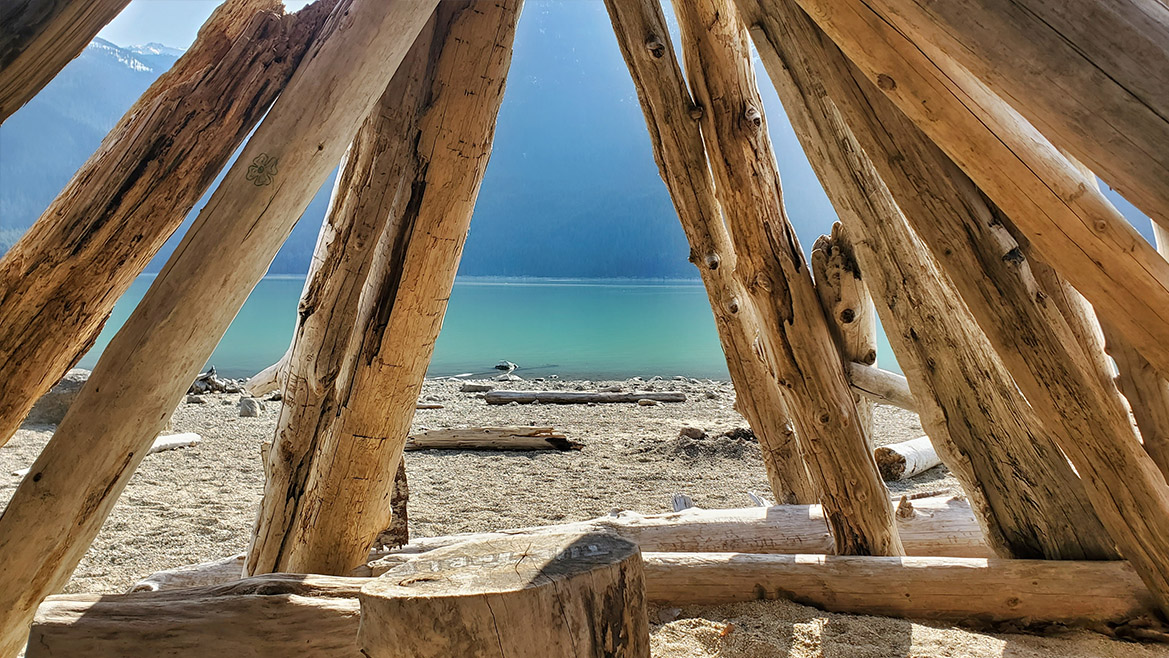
1004, 451
938, 526
318, 616
795, 342
491, 438
570, 596
1020, 485
681, 157
848, 308
901, 461
1070, 223
39, 37
880, 385
56, 511
579, 397
1078, 70
59, 282
340, 495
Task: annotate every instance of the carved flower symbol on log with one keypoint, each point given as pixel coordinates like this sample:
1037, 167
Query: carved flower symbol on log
262, 170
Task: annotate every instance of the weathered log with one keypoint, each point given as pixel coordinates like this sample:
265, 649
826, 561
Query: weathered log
327, 506
269, 379
39, 37
274, 615
317, 616
681, 158
145, 370
1070, 223
1021, 487
901, 461
59, 283
880, 385
173, 442
1088, 75
579, 397
1021, 593
939, 526
848, 308
575, 596
795, 341
491, 438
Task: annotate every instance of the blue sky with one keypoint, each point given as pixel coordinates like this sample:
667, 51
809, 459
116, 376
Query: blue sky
169, 22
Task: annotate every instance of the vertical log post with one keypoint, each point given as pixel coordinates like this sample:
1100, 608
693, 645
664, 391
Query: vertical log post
57, 510
324, 518
1021, 488
1069, 222
774, 273
39, 37
1089, 75
848, 307
59, 283
681, 157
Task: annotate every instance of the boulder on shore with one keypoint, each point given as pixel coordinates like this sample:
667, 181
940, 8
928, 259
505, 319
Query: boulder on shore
51, 408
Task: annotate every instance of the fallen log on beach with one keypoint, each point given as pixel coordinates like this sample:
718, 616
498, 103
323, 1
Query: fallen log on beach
901, 461
491, 438
311, 615
937, 526
579, 397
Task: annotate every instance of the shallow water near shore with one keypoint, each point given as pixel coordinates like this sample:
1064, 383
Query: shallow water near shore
578, 329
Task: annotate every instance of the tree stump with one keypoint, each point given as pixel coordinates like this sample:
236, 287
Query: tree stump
558, 596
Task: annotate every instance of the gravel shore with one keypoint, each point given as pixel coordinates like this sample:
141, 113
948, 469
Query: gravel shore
198, 504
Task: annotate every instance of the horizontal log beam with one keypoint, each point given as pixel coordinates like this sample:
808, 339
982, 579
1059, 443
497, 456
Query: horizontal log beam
491, 438
881, 385
318, 616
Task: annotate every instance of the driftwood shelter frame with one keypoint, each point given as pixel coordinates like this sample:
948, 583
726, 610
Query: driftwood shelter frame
970, 221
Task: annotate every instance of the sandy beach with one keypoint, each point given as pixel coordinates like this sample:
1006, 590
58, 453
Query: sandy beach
198, 504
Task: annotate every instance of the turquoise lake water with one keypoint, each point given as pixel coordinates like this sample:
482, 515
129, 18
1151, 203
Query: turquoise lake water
575, 329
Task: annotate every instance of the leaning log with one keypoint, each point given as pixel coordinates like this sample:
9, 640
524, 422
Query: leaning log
308, 615
1089, 75
147, 367
579, 397
1072, 225
880, 385
795, 342
848, 308
326, 522
491, 438
59, 283
980, 592
339, 296
1032, 503
39, 37
901, 461
570, 596
681, 158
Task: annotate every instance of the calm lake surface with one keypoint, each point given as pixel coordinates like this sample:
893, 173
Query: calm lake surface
578, 329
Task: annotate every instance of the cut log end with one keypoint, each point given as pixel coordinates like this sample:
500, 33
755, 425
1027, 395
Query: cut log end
574, 595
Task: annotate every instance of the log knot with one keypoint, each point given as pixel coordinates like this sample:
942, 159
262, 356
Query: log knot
886, 82
655, 46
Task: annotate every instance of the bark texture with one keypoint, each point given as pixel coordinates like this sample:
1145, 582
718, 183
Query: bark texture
1089, 75
59, 283
321, 514
39, 37
671, 117
1030, 501
148, 366
796, 342
1069, 222
848, 307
